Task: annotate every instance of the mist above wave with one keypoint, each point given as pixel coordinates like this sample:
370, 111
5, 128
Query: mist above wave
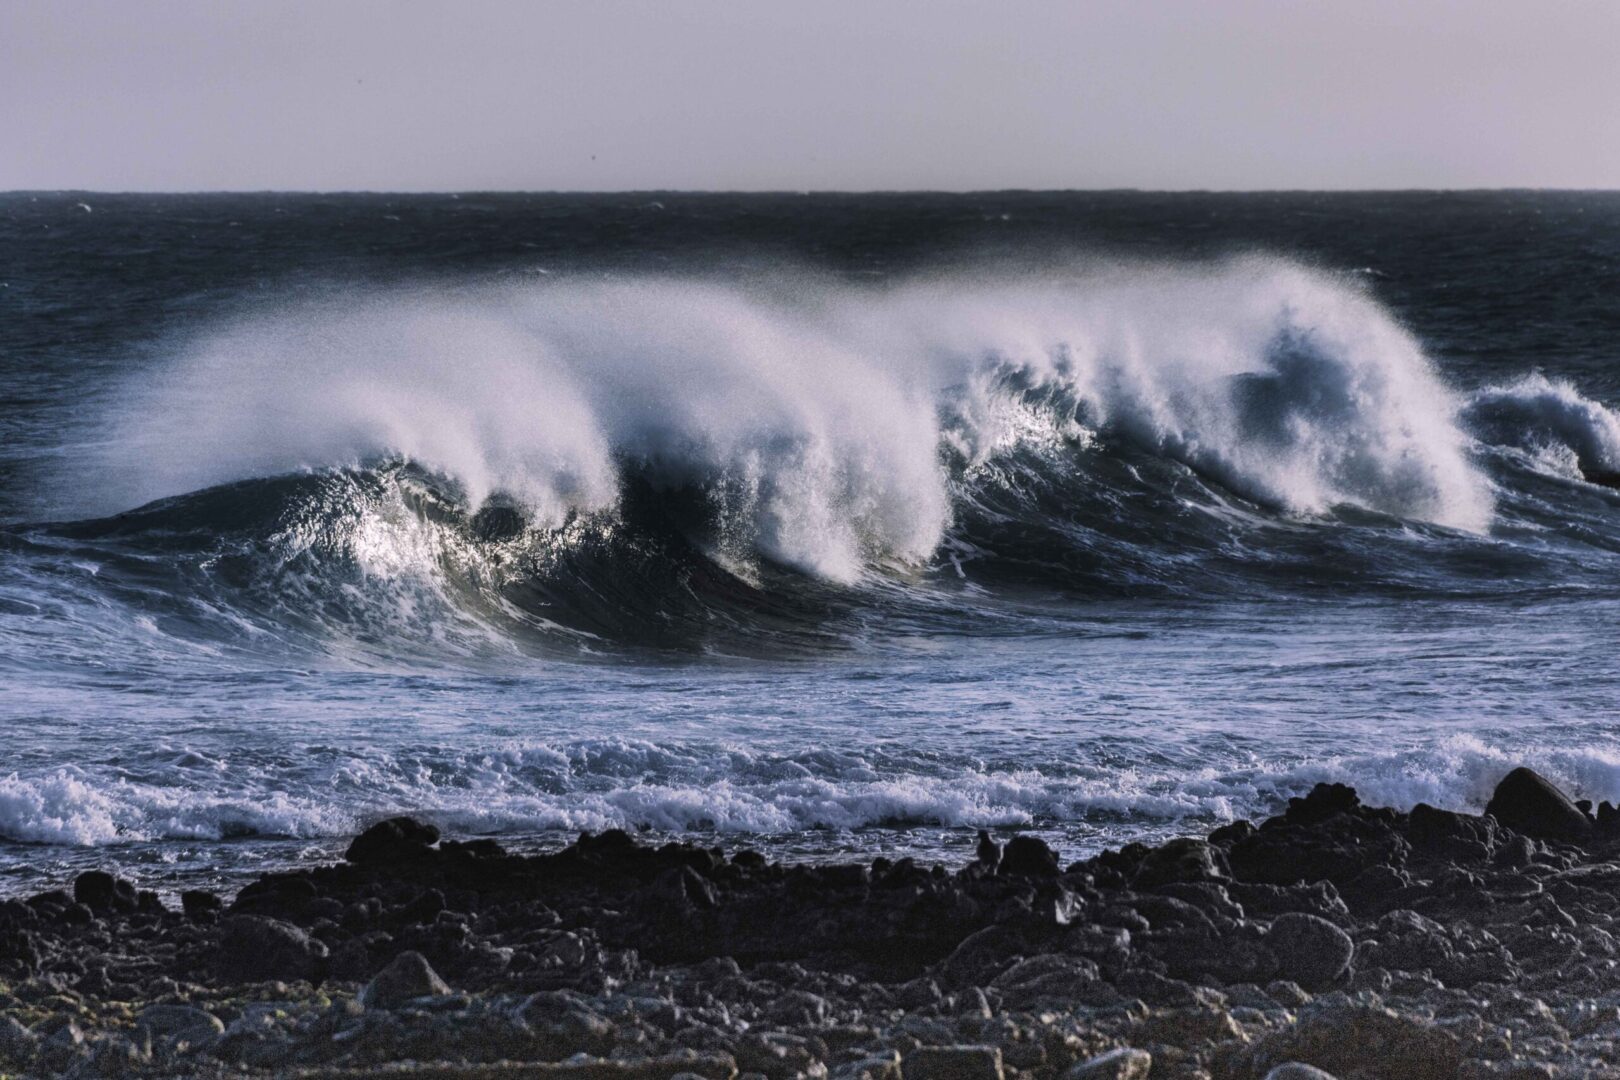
829, 426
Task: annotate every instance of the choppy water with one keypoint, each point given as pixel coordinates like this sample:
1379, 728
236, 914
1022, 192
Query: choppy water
814, 523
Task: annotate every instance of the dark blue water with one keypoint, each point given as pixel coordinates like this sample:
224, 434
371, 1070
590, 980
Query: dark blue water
816, 523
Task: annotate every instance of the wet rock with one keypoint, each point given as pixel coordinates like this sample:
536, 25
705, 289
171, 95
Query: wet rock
1310, 950
954, 1062
408, 976
1527, 802
396, 839
1323, 802
1028, 856
254, 948
100, 891
1126, 1063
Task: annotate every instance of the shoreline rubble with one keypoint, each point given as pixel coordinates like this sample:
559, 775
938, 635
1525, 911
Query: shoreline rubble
1333, 940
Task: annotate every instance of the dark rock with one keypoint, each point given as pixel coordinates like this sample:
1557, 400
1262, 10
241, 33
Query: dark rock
409, 976
1028, 856
566, 1023
1527, 802
396, 839
422, 909
200, 904
977, 958
1181, 860
253, 948
280, 896
1323, 802
1310, 950
954, 1062
1335, 849
52, 901
683, 888
1451, 836
987, 851
76, 915
1201, 953
100, 891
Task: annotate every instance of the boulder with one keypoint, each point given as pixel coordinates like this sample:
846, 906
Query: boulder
100, 891
1527, 802
253, 948
407, 977
1028, 856
391, 841
1310, 950
1179, 861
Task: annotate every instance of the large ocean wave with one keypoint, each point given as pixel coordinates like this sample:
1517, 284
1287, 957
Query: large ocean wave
671, 461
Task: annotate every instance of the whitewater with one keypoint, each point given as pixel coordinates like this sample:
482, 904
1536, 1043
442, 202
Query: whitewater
556, 530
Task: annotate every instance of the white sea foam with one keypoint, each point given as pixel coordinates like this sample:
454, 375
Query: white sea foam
751, 796
822, 418
1549, 418
73, 806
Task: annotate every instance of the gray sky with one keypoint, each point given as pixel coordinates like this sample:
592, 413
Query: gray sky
812, 94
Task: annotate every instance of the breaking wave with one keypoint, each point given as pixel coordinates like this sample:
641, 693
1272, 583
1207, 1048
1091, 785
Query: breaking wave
697, 463
828, 423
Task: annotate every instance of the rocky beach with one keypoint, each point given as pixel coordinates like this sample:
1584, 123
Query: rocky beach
1336, 940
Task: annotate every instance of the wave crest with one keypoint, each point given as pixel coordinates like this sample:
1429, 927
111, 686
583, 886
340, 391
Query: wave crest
830, 427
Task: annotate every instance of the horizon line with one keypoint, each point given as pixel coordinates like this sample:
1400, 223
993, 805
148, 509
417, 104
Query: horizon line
808, 192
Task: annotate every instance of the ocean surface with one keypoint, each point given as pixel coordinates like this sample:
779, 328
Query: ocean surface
819, 524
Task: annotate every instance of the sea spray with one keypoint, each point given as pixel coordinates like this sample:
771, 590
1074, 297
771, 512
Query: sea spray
830, 423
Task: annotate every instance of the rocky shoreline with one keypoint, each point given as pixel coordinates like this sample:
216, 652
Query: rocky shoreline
1334, 939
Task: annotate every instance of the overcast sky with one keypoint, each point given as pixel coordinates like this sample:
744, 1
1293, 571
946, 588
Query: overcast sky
812, 94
